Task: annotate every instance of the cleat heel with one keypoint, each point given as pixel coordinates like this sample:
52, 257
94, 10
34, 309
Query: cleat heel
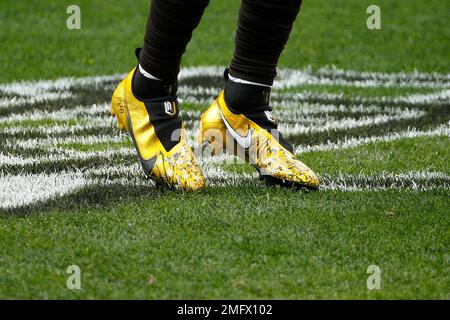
212, 132
118, 105
211, 141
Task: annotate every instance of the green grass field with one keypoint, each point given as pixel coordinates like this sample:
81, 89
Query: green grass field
71, 192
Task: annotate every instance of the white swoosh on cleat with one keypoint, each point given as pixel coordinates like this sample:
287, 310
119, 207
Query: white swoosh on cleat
244, 142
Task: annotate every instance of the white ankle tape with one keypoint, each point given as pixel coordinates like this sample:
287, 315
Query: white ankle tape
238, 80
146, 74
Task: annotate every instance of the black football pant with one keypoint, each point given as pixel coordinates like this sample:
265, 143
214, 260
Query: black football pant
263, 29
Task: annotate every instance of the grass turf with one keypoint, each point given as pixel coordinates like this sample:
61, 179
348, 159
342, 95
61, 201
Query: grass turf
396, 156
36, 44
243, 242
273, 243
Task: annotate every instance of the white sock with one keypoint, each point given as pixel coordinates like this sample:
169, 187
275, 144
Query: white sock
147, 74
238, 80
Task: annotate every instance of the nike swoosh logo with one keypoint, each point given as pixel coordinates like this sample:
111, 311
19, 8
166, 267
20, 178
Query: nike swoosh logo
244, 142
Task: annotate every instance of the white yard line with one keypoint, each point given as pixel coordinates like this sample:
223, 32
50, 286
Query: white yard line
287, 78
411, 180
354, 142
54, 142
63, 114
298, 99
25, 189
330, 124
93, 123
44, 97
288, 109
39, 88
59, 154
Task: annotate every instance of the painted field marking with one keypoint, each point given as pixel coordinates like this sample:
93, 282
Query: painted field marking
29, 126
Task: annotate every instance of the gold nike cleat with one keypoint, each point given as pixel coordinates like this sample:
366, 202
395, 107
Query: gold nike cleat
148, 122
221, 129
